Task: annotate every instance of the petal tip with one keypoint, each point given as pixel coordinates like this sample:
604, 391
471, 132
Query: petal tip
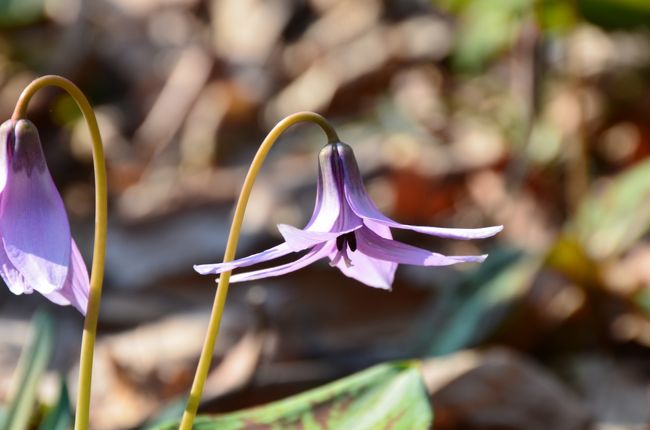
200, 269
486, 232
472, 258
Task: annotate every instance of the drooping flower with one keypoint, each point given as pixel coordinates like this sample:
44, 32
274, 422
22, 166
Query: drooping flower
37, 252
347, 228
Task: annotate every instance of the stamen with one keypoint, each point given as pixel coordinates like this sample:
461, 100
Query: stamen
343, 242
340, 242
352, 241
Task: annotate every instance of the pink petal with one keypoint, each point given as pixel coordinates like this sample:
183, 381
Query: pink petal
76, 289
299, 240
331, 212
328, 197
33, 222
6, 140
12, 277
315, 254
363, 207
269, 254
378, 247
371, 271
319, 199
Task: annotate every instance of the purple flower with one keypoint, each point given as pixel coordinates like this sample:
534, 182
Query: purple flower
347, 228
37, 252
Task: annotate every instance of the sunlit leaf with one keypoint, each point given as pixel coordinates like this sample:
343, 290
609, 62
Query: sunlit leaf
485, 28
615, 215
33, 362
556, 15
387, 396
642, 299
20, 12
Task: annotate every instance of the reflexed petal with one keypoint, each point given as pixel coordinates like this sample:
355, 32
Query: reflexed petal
33, 222
77, 285
269, 254
299, 240
376, 246
6, 139
363, 207
315, 254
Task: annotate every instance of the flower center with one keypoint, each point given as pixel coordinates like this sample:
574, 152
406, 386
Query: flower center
343, 243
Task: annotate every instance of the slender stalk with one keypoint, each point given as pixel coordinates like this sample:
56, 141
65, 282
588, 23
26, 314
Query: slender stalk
99, 250
231, 247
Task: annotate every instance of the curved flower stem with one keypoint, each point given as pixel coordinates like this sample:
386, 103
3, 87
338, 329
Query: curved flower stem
99, 250
231, 247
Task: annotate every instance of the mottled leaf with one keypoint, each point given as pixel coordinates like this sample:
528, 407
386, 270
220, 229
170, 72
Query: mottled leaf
388, 396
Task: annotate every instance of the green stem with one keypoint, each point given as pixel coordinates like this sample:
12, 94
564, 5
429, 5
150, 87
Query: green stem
99, 250
231, 247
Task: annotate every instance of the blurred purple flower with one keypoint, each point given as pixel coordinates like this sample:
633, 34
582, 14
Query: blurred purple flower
37, 252
348, 228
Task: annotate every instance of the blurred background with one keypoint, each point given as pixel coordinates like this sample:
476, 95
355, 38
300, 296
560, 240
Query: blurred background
462, 113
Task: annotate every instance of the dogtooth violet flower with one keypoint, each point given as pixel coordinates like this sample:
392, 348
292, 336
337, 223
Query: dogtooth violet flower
37, 252
347, 228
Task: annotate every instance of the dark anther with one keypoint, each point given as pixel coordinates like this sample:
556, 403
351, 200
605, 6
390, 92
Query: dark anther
340, 242
352, 241
348, 239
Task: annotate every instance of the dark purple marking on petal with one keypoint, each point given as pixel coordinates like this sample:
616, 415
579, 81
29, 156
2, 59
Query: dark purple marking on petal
33, 222
318, 252
363, 206
376, 246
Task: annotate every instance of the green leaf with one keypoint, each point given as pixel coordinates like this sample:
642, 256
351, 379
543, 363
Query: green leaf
33, 362
614, 14
387, 396
616, 215
59, 416
642, 299
20, 12
471, 313
486, 28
